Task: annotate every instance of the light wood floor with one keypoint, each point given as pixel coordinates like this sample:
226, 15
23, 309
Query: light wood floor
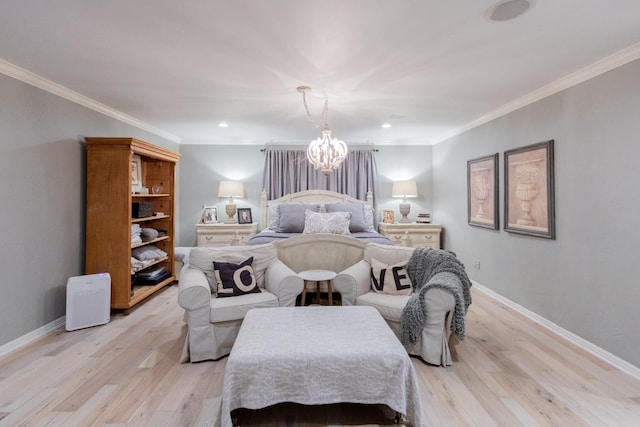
509, 372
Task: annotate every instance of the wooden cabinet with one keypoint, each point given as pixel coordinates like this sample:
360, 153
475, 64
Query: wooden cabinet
220, 234
110, 209
414, 234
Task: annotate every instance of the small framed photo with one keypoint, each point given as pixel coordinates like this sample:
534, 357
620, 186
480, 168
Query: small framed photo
244, 216
136, 174
209, 215
529, 202
388, 216
482, 192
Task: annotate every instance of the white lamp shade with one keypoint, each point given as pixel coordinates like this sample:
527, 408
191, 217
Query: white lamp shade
404, 189
233, 189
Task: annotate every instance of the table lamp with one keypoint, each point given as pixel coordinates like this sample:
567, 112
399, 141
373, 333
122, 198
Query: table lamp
231, 189
404, 189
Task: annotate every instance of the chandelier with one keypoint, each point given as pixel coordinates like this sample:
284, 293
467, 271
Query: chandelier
325, 153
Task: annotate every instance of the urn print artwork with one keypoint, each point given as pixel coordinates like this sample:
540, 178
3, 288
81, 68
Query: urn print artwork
529, 190
482, 192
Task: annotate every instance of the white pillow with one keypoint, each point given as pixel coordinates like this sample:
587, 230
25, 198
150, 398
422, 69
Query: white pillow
334, 222
273, 216
368, 219
390, 279
202, 258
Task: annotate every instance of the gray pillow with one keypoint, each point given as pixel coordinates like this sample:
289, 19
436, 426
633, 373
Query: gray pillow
357, 223
292, 216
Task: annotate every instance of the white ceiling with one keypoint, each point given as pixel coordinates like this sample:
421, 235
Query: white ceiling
184, 66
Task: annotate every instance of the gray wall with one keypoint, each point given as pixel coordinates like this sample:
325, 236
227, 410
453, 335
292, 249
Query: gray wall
586, 280
202, 167
42, 169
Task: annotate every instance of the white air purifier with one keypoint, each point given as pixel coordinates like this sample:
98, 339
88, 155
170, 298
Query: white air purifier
88, 301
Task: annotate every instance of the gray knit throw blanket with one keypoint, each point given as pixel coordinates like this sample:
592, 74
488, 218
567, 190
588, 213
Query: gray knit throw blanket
434, 268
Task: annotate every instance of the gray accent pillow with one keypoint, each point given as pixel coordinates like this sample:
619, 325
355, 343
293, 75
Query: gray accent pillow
357, 223
292, 216
326, 222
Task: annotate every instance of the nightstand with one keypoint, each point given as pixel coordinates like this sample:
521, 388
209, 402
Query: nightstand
219, 234
417, 235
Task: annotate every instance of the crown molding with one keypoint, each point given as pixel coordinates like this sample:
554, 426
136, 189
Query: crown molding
35, 80
608, 63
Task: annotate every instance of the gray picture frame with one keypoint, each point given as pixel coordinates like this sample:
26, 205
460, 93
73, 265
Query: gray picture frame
529, 193
483, 192
244, 216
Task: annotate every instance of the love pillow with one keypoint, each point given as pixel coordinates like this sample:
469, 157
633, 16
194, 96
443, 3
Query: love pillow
235, 279
390, 279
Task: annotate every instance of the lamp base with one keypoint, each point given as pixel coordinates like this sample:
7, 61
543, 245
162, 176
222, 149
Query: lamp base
230, 209
405, 208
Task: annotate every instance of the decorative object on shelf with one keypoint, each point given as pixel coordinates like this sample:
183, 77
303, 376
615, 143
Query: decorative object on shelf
325, 153
231, 189
529, 201
404, 189
136, 173
141, 209
157, 189
209, 215
244, 216
482, 192
388, 217
424, 218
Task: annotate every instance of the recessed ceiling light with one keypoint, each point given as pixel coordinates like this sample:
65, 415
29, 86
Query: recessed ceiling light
508, 9
223, 125
386, 125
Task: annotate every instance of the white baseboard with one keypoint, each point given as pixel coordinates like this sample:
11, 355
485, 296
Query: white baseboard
599, 352
32, 336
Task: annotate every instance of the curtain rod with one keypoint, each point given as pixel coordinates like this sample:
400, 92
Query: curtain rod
375, 150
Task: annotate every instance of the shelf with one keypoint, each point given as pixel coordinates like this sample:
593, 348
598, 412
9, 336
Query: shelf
150, 196
149, 218
159, 239
140, 292
158, 261
110, 208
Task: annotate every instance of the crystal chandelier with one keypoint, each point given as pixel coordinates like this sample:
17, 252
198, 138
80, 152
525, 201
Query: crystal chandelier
325, 153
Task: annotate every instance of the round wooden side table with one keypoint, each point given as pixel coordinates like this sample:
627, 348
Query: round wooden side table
317, 276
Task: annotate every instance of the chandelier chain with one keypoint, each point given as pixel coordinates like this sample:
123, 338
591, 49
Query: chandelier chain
323, 116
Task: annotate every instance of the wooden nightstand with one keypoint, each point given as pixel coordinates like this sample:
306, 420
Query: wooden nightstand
417, 235
220, 234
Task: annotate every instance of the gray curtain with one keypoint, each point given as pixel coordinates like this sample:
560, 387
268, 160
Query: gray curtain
289, 171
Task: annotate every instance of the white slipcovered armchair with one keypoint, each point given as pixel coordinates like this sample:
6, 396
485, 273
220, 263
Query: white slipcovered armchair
432, 344
213, 323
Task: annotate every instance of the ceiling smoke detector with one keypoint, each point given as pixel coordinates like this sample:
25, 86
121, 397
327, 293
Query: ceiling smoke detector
508, 9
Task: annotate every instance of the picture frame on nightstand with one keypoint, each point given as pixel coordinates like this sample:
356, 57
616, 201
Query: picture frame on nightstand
209, 215
244, 216
388, 216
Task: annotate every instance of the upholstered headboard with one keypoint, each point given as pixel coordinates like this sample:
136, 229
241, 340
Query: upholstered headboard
308, 196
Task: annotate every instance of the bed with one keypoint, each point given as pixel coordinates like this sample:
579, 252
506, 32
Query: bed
287, 216
317, 356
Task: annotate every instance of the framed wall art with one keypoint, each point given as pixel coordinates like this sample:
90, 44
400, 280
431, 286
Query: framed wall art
244, 216
209, 215
482, 192
529, 200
